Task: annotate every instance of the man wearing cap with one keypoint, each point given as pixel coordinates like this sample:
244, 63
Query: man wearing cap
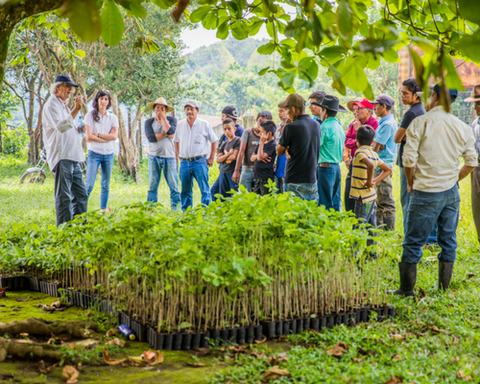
301, 138
475, 177
384, 144
63, 144
435, 141
229, 112
363, 116
194, 140
329, 176
315, 100
160, 131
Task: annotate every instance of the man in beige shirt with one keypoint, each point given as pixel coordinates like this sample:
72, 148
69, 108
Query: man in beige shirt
435, 142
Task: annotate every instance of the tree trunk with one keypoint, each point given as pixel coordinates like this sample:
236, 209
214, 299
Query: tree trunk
1, 144
127, 159
12, 13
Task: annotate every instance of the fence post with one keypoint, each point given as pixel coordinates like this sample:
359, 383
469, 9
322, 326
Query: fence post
248, 120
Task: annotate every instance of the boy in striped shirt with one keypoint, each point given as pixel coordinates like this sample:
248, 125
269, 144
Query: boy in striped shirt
363, 183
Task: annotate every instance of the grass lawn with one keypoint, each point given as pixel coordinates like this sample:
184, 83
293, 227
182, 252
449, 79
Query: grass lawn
434, 338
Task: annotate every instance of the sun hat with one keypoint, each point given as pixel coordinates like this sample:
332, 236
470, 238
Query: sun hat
160, 101
293, 100
475, 95
350, 103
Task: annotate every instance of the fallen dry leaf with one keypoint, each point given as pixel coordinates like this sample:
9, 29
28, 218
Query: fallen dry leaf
282, 338
357, 360
396, 336
274, 373
470, 275
277, 360
264, 339
394, 380
259, 355
421, 292
112, 332
82, 343
117, 341
396, 357
70, 374
456, 359
108, 360
463, 376
57, 304
239, 349
338, 349
43, 369
197, 365
364, 352
153, 358
203, 350
136, 361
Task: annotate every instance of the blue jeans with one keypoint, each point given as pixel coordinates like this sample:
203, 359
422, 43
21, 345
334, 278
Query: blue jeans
329, 184
226, 184
106, 163
306, 191
367, 214
169, 166
215, 190
405, 200
425, 210
246, 178
197, 170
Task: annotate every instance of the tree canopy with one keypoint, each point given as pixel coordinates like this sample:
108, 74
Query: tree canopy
340, 35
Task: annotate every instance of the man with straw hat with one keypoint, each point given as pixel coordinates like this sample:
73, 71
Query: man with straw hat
475, 177
160, 131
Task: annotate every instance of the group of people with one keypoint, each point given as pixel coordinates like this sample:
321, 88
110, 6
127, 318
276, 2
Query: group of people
301, 155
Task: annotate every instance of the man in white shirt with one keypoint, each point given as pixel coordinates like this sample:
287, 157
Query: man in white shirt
64, 150
194, 140
435, 141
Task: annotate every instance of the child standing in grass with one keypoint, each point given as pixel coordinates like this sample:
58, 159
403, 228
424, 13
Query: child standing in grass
362, 189
227, 156
264, 157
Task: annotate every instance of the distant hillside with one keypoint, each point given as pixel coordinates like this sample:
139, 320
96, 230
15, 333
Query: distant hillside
221, 55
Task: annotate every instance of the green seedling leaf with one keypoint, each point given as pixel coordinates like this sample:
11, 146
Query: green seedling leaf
112, 21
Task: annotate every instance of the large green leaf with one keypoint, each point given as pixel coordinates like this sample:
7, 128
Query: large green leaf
294, 27
84, 19
469, 46
452, 78
222, 31
419, 67
112, 23
199, 13
266, 49
344, 19
376, 45
308, 69
134, 8
470, 10
353, 74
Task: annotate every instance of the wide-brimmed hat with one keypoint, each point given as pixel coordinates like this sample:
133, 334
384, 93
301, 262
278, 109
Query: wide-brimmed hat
364, 103
332, 104
350, 103
293, 100
475, 95
160, 101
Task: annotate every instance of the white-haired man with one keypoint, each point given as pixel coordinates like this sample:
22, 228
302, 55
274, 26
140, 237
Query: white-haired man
64, 150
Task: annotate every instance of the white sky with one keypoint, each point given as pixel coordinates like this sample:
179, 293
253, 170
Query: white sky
200, 37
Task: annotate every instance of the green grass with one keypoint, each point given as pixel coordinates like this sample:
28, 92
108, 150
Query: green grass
426, 355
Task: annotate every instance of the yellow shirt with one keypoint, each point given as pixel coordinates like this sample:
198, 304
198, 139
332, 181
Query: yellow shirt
359, 174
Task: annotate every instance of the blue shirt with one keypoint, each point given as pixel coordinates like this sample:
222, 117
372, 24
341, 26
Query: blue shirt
317, 119
384, 135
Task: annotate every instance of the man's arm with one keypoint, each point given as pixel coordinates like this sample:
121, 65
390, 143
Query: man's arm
410, 153
280, 150
402, 130
409, 171
213, 150
177, 149
399, 135
377, 146
465, 171
241, 155
387, 171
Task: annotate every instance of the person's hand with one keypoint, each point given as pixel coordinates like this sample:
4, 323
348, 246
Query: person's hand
369, 184
263, 137
267, 160
78, 102
287, 154
236, 176
404, 138
210, 161
356, 124
410, 188
347, 163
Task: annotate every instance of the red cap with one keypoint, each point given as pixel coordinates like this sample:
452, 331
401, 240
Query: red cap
364, 103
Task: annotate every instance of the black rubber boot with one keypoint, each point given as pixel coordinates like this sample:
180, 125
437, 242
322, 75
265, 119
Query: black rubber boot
445, 272
389, 222
408, 279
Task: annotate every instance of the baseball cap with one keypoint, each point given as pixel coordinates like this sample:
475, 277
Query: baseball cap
385, 100
65, 79
191, 103
364, 103
453, 92
231, 112
293, 100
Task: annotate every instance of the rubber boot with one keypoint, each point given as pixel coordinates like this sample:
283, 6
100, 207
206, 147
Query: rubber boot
445, 272
389, 222
408, 279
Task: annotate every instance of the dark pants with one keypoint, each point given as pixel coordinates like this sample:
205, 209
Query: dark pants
70, 192
329, 182
260, 187
426, 209
349, 203
215, 190
367, 214
280, 184
226, 184
386, 208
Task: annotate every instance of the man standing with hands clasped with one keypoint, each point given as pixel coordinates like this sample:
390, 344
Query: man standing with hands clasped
435, 141
63, 143
194, 140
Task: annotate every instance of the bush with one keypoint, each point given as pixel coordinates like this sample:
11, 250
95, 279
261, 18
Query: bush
14, 140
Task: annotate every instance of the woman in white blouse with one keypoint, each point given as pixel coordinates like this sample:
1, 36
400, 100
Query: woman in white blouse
102, 131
